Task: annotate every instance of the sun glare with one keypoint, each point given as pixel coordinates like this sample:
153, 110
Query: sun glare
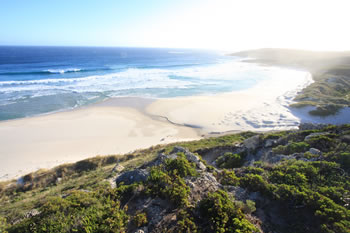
238, 25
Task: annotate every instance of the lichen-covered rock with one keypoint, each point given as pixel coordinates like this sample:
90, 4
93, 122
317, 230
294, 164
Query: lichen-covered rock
129, 177
178, 149
278, 158
252, 143
270, 142
315, 151
313, 135
189, 156
118, 168
201, 186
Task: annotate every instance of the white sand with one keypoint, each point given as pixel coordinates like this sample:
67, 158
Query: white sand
261, 108
46, 141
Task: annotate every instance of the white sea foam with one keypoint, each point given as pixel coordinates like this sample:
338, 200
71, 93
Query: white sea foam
62, 71
136, 78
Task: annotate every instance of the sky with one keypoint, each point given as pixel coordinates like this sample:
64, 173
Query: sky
230, 25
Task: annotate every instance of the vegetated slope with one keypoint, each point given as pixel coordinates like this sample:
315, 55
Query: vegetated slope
330, 70
290, 181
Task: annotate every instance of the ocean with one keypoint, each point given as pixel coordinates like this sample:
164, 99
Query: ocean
39, 80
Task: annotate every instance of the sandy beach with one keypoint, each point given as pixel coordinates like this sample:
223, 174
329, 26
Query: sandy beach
107, 128
263, 107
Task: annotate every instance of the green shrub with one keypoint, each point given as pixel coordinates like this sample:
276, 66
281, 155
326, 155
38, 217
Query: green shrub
222, 214
254, 183
140, 220
79, 212
168, 186
291, 148
180, 166
344, 159
3, 225
248, 207
229, 160
227, 178
185, 223
322, 142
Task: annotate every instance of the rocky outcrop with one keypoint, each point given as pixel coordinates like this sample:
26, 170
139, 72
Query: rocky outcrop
201, 186
129, 177
190, 156
308, 137
252, 143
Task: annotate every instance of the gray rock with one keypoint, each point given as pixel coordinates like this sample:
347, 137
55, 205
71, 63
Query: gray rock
239, 193
189, 156
129, 177
155, 210
112, 182
201, 166
255, 196
58, 180
314, 135
315, 151
201, 186
192, 157
178, 149
32, 213
142, 230
278, 158
118, 168
252, 143
270, 142
195, 159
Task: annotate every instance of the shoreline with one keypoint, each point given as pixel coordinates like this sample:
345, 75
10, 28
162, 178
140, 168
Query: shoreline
261, 108
45, 141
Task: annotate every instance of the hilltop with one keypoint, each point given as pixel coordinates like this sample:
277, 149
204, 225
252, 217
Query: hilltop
289, 181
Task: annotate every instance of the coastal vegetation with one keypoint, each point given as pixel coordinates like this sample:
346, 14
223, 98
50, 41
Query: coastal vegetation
330, 71
289, 181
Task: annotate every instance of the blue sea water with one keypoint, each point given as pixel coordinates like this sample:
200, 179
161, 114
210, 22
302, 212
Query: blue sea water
37, 80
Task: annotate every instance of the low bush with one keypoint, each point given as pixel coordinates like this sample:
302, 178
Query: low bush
291, 148
229, 160
223, 215
180, 166
78, 212
227, 178
140, 220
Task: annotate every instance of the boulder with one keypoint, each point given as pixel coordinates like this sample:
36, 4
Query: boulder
278, 158
315, 151
252, 143
314, 135
189, 156
201, 186
32, 213
129, 177
270, 142
118, 168
142, 230
178, 149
